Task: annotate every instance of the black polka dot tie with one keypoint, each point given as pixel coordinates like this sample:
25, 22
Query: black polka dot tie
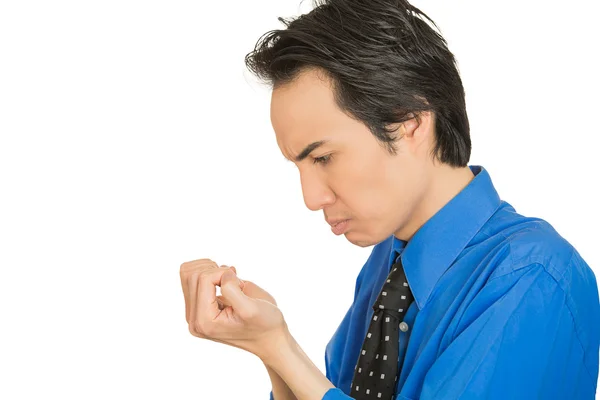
376, 371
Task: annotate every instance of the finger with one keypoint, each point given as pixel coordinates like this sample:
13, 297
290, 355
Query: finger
230, 289
186, 296
206, 295
241, 281
192, 284
222, 302
235, 270
232, 267
252, 289
185, 272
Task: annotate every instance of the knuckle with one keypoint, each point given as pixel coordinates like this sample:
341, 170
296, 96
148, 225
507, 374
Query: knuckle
200, 278
207, 270
197, 328
208, 263
197, 265
183, 269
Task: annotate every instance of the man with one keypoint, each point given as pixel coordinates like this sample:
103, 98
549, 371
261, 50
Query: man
461, 297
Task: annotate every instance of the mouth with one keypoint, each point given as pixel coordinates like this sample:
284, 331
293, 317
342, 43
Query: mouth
340, 227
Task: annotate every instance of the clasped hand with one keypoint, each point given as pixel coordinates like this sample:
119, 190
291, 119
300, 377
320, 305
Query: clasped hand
244, 315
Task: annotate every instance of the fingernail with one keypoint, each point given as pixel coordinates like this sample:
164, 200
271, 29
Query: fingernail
234, 270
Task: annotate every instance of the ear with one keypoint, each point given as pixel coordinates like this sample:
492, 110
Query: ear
419, 124
420, 132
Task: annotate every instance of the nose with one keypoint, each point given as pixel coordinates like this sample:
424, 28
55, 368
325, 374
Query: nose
317, 194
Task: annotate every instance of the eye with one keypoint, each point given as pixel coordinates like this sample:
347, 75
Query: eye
323, 160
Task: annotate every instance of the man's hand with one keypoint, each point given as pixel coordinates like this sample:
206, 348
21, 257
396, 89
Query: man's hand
248, 319
250, 289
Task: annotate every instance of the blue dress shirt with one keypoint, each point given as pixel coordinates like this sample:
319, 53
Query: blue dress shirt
505, 307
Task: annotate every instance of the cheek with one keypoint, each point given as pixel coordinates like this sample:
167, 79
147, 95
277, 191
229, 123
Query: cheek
367, 174
367, 189
364, 198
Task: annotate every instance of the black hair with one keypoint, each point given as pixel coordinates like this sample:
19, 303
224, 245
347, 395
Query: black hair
385, 62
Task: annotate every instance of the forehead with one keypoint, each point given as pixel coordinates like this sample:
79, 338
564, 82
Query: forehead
304, 111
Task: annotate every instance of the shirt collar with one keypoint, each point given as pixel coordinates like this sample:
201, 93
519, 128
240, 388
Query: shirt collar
435, 246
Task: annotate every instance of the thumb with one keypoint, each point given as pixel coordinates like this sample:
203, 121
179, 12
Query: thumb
231, 291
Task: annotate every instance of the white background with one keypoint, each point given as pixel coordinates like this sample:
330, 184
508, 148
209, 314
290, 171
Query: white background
133, 139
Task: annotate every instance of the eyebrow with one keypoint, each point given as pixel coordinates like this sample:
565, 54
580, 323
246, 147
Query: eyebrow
308, 149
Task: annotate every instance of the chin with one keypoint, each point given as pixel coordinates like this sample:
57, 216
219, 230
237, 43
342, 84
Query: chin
365, 241
359, 242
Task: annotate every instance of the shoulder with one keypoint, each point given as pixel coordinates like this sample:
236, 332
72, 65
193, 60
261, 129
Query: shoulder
534, 248
529, 241
537, 242
540, 244
534, 243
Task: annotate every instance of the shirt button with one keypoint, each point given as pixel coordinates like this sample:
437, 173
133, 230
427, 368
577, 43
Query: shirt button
403, 326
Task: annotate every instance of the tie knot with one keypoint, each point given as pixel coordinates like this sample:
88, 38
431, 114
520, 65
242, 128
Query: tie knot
395, 294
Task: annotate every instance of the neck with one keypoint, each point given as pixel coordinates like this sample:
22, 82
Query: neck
445, 184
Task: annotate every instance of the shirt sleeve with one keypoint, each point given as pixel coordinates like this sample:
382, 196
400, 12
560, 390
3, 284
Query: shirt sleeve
336, 394
516, 340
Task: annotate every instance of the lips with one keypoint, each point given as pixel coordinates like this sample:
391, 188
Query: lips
340, 227
334, 222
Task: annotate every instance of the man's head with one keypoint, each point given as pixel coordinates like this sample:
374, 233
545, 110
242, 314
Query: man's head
375, 82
